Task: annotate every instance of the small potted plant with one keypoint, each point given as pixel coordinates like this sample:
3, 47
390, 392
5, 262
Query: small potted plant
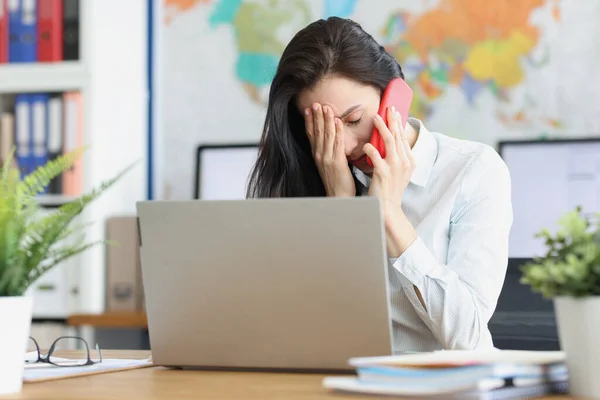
569, 274
30, 245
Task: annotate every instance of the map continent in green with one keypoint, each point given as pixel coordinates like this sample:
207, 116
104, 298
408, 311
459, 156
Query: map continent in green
257, 26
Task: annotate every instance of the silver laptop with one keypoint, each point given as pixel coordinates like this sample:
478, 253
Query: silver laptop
277, 284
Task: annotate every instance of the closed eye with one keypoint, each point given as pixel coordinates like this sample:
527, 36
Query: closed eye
355, 122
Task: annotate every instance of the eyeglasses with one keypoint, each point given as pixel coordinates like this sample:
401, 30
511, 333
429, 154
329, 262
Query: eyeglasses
62, 343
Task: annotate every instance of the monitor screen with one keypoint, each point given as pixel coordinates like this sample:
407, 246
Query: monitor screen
222, 171
549, 178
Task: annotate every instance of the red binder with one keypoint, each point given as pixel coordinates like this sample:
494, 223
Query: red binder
50, 21
3, 31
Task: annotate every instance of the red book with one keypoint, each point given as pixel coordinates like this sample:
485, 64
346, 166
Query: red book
3, 31
50, 21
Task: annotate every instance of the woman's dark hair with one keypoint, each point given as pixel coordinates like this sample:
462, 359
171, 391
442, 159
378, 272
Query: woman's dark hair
336, 46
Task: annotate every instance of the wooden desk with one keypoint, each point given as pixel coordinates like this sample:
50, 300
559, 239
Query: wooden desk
110, 320
162, 383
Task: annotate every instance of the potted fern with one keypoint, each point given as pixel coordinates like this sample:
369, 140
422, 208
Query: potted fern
30, 245
569, 273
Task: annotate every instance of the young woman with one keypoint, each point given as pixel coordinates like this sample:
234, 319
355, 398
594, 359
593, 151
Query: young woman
446, 202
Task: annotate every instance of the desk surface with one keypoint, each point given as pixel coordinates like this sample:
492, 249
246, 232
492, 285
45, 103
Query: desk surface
163, 383
113, 319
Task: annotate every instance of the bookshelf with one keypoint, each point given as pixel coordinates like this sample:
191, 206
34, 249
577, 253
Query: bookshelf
111, 75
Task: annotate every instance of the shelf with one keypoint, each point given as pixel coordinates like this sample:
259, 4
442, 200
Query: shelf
110, 320
53, 200
42, 77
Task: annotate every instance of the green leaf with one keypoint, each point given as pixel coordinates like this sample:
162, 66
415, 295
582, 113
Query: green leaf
35, 182
31, 244
56, 257
571, 266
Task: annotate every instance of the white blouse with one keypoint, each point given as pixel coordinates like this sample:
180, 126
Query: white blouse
459, 202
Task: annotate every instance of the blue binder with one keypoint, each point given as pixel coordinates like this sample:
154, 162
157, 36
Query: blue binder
22, 140
22, 27
15, 53
39, 130
29, 30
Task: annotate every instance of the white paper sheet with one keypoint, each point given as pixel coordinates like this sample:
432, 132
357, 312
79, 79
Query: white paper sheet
44, 371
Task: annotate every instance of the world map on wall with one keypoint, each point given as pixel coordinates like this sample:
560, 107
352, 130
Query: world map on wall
479, 70
472, 45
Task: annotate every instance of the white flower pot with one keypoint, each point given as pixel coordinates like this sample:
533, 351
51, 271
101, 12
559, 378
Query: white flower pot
578, 322
15, 324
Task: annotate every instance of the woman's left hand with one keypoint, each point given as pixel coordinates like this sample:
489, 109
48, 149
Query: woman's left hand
391, 176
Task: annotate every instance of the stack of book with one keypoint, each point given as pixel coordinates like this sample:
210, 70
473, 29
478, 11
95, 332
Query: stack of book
495, 374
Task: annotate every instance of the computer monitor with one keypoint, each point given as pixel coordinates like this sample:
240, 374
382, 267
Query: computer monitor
549, 178
222, 171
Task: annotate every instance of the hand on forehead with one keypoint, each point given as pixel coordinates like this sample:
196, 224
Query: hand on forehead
344, 96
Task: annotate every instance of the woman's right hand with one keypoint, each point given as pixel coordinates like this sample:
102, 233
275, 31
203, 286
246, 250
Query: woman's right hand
325, 133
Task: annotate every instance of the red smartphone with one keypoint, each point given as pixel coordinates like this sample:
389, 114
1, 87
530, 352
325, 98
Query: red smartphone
397, 94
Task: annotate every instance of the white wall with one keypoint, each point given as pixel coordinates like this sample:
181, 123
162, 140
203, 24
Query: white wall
115, 51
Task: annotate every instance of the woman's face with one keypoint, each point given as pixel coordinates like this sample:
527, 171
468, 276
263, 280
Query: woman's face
355, 104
